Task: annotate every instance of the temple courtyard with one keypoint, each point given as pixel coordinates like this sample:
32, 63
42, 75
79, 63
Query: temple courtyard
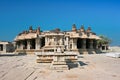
93, 67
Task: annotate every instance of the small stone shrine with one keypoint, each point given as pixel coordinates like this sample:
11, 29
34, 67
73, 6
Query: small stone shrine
59, 61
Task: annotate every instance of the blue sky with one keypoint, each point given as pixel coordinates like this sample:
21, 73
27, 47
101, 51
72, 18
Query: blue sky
102, 15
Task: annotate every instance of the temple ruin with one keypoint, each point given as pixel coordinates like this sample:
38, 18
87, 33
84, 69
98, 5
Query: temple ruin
45, 44
6, 47
78, 40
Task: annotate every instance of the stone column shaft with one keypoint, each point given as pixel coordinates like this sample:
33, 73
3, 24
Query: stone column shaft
91, 44
45, 41
84, 44
67, 45
75, 43
105, 47
61, 41
4, 47
95, 44
72, 44
21, 45
17, 45
37, 44
28, 44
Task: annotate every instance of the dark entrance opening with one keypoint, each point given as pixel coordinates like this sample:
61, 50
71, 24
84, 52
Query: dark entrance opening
25, 44
79, 43
1, 47
103, 47
43, 42
88, 43
32, 43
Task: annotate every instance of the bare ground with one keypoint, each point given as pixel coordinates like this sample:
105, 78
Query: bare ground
93, 67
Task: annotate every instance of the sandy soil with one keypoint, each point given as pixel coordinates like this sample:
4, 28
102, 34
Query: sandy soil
93, 67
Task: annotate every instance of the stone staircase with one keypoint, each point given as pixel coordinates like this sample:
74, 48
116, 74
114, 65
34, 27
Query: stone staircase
61, 65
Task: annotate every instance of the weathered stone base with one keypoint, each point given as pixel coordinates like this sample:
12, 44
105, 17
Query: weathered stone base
44, 60
87, 51
59, 66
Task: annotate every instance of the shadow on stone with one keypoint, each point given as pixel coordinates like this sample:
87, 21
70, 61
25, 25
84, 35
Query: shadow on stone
71, 64
80, 57
82, 63
8, 54
21, 54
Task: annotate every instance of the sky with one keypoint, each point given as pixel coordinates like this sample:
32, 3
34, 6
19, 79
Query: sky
103, 16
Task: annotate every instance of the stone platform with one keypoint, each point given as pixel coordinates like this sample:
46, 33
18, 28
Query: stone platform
58, 60
59, 65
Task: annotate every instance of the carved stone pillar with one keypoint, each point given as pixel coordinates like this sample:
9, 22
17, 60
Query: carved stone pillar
67, 45
91, 44
95, 44
105, 48
46, 41
37, 44
84, 44
75, 43
18, 45
72, 44
21, 45
4, 47
28, 44
61, 42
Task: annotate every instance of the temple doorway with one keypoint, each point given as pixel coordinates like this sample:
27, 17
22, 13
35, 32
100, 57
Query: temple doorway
1, 47
43, 42
32, 43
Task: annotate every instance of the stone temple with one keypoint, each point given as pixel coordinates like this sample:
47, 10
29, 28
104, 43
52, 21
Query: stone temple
46, 44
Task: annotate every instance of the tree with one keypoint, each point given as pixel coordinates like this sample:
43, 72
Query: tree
104, 40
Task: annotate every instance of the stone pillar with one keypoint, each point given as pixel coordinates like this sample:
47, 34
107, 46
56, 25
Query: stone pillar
72, 44
21, 45
37, 43
105, 48
45, 41
28, 44
4, 47
61, 41
91, 44
84, 44
48, 40
17, 45
75, 43
95, 44
52, 41
67, 44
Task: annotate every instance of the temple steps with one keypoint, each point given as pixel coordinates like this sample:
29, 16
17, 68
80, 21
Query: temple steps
61, 65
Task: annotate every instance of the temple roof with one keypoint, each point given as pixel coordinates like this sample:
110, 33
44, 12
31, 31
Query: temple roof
75, 33
26, 36
4, 42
